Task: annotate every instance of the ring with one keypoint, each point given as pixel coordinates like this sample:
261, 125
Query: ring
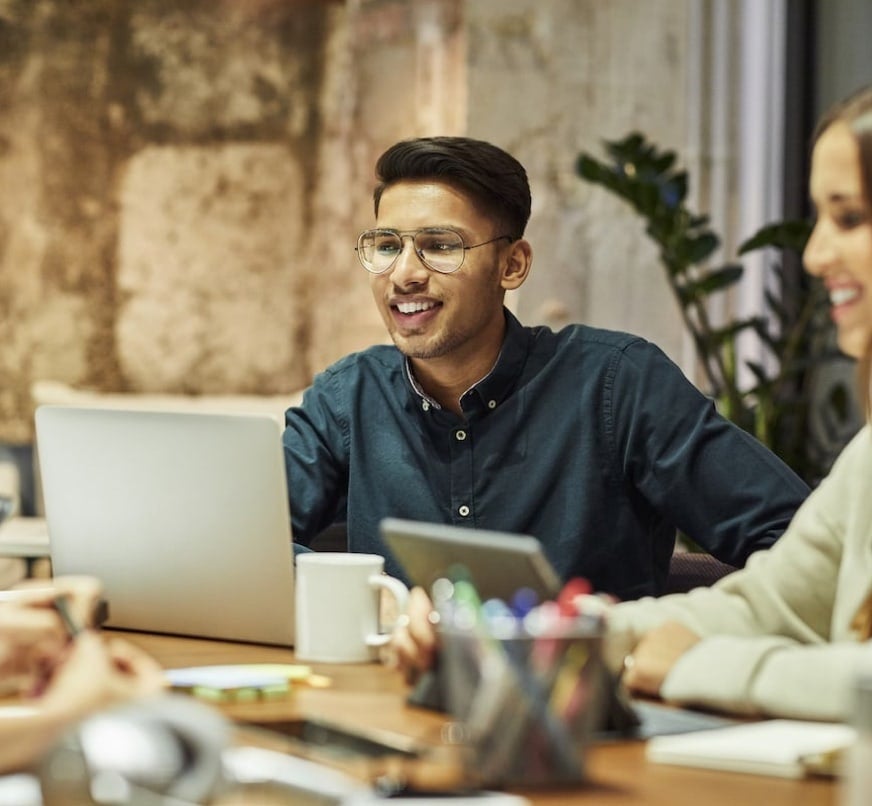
629, 662
433, 617
402, 621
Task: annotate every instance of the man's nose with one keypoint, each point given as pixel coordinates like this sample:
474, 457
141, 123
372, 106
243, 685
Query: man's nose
408, 269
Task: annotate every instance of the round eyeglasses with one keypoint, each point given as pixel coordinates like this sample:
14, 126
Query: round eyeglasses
438, 248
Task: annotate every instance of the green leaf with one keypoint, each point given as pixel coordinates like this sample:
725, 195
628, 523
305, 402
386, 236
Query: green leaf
702, 246
791, 235
664, 162
718, 337
718, 279
589, 168
759, 371
674, 191
774, 305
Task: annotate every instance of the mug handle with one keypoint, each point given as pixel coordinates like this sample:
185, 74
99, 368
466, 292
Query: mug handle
400, 592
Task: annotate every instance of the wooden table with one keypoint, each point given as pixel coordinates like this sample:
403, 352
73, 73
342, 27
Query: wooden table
373, 696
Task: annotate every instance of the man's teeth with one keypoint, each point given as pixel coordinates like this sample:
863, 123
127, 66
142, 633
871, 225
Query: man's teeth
414, 307
839, 296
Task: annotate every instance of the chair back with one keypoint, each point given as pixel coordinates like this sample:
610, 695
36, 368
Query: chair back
692, 569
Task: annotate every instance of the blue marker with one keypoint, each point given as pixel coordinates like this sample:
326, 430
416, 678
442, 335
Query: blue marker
501, 621
523, 601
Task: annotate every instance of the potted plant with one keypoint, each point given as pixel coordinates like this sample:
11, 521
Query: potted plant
796, 331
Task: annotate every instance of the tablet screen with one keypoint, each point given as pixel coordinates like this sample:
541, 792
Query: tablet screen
498, 563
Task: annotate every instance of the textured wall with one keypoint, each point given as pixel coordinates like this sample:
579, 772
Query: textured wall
155, 165
553, 79
181, 184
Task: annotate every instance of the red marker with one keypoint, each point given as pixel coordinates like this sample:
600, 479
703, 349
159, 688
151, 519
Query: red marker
566, 599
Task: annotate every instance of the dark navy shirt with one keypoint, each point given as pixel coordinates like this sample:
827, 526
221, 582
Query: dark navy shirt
590, 440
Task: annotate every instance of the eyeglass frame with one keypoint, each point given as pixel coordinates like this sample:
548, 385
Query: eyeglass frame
413, 233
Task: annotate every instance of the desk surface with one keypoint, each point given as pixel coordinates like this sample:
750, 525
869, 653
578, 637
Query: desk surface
373, 696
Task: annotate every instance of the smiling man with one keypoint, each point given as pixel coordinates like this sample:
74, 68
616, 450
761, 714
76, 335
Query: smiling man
590, 440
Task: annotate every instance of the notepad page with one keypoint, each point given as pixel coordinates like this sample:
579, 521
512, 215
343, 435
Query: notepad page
776, 747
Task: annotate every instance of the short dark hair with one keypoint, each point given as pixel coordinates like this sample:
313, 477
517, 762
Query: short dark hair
489, 175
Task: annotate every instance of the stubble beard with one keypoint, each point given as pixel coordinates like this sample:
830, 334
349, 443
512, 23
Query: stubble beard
438, 347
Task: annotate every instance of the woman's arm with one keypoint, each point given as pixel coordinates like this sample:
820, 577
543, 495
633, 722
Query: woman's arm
776, 637
768, 675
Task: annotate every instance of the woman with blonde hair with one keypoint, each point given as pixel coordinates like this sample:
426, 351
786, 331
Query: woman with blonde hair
787, 635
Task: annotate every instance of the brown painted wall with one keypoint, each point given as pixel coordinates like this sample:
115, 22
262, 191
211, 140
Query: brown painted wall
182, 181
157, 162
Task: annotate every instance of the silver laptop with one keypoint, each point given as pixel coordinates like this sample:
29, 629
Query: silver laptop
184, 517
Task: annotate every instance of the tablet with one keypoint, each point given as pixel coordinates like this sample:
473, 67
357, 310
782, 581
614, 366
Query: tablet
499, 563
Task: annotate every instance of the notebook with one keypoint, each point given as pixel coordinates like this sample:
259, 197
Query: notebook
183, 516
785, 748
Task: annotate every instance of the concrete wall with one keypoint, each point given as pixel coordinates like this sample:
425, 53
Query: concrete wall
181, 184
548, 80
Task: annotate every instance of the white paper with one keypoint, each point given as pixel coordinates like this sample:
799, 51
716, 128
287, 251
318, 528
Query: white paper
778, 747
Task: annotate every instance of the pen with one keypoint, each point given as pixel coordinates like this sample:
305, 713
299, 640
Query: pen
61, 604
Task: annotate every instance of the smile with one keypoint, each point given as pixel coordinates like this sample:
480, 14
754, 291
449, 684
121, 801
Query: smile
414, 307
842, 296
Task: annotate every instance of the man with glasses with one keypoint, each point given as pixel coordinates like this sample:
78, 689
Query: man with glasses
590, 440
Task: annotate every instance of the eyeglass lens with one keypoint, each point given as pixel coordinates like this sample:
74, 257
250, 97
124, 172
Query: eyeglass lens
439, 249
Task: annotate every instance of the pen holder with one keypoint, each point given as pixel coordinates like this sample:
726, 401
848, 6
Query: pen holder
525, 705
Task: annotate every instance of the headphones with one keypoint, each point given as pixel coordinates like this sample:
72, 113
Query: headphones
160, 750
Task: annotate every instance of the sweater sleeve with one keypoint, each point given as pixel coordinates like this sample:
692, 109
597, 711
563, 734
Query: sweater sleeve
769, 675
777, 635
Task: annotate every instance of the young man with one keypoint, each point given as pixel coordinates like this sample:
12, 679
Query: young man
590, 440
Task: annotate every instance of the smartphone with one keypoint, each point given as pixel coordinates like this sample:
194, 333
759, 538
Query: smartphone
343, 742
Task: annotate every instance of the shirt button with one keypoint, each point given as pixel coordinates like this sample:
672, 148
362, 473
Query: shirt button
491, 404
461, 435
425, 405
464, 511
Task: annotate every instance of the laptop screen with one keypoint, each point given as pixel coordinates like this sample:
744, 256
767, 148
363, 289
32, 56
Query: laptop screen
184, 517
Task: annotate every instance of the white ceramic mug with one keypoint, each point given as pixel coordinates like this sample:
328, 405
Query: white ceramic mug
338, 606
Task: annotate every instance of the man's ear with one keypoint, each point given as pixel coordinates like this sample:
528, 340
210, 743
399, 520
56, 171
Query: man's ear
519, 259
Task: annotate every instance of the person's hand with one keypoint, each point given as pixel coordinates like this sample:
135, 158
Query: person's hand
94, 674
414, 643
32, 633
87, 676
655, 655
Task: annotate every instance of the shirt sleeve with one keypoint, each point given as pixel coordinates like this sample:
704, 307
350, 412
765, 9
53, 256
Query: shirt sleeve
315, 443
716, 483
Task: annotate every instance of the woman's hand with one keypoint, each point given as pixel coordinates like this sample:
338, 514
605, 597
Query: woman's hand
94, 674
32, 634
87, 676
655, 655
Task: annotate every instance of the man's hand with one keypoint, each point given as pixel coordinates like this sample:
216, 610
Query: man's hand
414, 643
655, 655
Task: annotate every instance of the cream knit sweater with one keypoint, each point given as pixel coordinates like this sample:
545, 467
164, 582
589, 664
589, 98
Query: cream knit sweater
778, 638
